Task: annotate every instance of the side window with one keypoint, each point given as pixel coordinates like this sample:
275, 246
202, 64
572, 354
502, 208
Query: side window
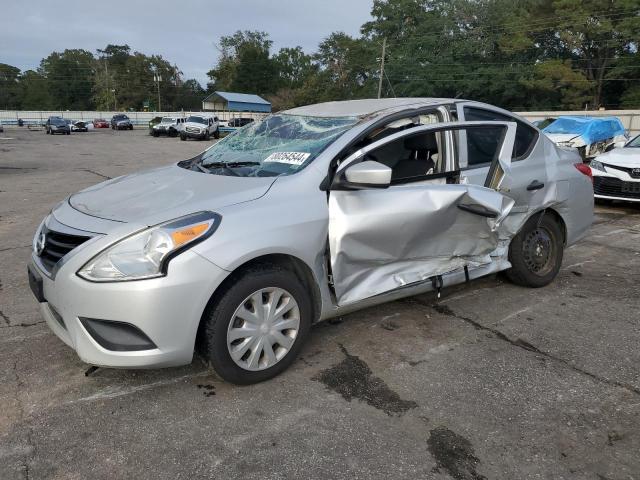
481, 141
411, 158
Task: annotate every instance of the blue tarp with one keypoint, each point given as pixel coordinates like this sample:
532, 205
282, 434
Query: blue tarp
591, 129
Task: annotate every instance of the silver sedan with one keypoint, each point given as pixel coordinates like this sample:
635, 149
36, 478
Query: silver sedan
308, 214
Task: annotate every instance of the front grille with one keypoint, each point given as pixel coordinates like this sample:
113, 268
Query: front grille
192, 130
614, 187
633, 172
57, 245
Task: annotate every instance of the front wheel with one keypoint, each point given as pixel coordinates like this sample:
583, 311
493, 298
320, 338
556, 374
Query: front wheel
257, 327
536, 252
216, 134
183, 137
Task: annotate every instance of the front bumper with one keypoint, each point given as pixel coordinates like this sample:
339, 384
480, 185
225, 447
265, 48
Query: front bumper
615, 186
199, 136
166, 309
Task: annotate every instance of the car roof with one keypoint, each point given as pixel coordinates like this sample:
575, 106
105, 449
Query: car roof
585, 119
365, 107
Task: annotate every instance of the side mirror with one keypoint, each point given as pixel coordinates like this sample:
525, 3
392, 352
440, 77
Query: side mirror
368, 174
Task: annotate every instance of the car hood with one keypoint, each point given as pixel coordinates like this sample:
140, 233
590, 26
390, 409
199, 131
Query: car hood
566, 137
165, 193
622, 157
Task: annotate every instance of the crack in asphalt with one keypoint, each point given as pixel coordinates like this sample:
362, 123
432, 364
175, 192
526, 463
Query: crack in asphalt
610, 247
5, 318
523, 344
27, 457
95, 173
13, 248
19, 325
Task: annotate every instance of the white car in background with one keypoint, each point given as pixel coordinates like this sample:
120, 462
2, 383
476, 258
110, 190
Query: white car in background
616, 174
171, 126
201, 127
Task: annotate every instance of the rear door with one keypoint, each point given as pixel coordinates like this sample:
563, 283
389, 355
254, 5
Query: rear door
426, 223
529, 183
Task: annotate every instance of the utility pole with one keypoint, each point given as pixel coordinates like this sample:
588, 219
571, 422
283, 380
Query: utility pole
158, 79
384, 51
106, 79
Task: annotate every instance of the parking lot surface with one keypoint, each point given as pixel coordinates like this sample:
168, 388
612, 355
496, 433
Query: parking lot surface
491, 381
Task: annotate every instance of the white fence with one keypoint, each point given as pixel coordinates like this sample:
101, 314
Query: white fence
11, 117
629, 118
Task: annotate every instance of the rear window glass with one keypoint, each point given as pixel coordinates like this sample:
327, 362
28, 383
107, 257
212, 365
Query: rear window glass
525, 135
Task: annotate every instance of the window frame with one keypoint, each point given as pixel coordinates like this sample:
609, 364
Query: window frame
508, 118
441, 110
339, 181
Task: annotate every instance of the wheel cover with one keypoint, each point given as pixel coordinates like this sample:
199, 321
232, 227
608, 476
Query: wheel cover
538, 251
263, 329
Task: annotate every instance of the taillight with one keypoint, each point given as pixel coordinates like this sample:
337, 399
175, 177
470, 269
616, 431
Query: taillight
584, 169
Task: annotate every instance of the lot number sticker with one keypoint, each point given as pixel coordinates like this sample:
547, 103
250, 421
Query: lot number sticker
292, 158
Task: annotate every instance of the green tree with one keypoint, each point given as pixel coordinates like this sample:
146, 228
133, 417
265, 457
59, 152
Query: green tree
34, 92
593, 34
245, 64
70, 78
9, 87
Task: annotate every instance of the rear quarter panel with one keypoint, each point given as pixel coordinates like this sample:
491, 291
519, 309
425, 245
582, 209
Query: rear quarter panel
574, 191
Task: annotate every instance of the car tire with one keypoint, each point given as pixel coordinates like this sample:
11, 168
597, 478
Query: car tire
155, 134
183, 137
130, 127
47, 131
207, 135
264, 284
536, 252
216, 134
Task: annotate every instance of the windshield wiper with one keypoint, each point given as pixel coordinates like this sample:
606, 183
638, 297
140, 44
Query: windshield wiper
231, 164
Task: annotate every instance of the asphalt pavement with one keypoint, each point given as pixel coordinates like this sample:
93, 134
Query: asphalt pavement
491, 381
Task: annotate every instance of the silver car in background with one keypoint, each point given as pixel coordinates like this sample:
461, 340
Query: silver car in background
308, 214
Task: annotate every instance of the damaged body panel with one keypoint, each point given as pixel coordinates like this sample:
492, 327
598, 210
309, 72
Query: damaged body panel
381, 239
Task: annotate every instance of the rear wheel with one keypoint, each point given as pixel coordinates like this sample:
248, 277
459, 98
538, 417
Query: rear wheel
536, 252
257, 327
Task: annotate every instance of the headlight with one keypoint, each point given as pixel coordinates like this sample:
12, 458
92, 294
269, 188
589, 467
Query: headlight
36, 238
596, 165
146, 254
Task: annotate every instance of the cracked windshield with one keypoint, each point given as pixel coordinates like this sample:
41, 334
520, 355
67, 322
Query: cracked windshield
278, 145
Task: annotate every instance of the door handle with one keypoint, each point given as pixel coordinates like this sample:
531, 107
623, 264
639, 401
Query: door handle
535, 185
477, 210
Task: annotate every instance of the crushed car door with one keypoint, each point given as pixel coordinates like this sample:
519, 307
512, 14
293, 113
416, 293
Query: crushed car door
386, 234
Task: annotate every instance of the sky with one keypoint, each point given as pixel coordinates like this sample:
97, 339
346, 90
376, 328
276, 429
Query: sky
184, 32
